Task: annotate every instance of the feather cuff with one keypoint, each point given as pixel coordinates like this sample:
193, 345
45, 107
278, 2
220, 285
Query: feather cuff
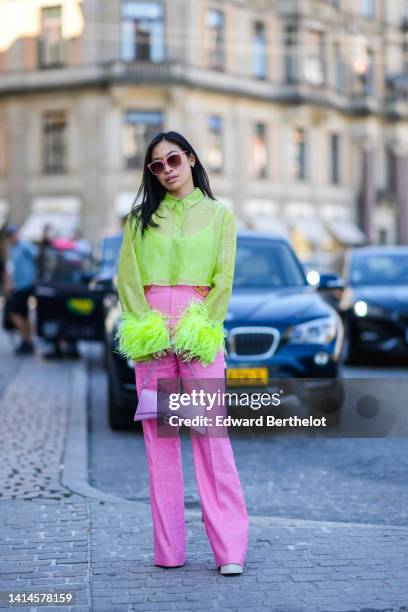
197, 336
139, 337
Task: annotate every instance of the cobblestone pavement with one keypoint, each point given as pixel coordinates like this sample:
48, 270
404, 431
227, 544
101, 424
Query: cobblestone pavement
33, 423
53, 538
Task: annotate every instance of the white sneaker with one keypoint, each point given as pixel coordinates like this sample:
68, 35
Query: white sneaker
231, 569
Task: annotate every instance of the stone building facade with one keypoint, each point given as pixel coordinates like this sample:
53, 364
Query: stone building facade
297, 108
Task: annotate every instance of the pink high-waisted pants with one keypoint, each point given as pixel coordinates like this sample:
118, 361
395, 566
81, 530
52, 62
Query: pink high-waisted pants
221, 496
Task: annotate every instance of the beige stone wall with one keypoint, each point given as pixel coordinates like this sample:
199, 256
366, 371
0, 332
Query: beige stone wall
95, 169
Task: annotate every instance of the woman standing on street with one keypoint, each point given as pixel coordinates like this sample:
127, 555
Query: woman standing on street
174, 282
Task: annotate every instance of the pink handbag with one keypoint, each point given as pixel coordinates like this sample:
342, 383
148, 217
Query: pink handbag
147, 404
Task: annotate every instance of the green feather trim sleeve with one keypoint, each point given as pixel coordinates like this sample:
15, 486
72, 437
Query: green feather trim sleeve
197, 336
139, 337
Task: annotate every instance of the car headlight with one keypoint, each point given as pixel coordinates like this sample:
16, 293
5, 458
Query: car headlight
364, 309
318, 331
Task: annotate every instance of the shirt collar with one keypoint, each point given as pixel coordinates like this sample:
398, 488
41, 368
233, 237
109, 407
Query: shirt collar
190, 200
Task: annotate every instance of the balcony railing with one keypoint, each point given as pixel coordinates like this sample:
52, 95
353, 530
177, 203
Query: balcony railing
145, 70
52, 55
352, 95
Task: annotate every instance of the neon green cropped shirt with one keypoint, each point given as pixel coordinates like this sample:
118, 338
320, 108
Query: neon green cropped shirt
195, 244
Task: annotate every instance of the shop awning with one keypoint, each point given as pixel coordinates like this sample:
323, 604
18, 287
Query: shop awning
270, 224
346, 232
264, 216
60, 213
312, 230
62, 225
338, 220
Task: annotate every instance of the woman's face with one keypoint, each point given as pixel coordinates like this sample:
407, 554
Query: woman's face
173, 179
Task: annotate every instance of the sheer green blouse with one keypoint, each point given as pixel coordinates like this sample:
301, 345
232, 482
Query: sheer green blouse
195, 244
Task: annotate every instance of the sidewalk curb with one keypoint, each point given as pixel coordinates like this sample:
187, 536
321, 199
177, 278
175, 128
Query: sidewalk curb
75, 473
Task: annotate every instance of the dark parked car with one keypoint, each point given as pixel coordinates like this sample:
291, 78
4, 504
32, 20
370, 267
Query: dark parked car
277, 327
67, 308
374, 305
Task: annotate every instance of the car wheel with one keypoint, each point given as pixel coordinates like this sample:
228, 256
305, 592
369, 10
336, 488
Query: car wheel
120, 419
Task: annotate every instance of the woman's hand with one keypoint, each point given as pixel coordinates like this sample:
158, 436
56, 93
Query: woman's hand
167, 351
160, 354
182, 356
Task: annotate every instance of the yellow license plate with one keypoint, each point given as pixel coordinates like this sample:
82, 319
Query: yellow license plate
247, 376
82, 306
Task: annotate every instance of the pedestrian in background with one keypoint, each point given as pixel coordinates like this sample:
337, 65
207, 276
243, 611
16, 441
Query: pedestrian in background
58, 348
54, 350
174, 282
20, 278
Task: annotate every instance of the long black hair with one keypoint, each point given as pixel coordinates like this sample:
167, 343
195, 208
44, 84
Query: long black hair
152, 192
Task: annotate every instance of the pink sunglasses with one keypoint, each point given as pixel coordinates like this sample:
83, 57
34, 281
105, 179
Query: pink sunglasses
173, 159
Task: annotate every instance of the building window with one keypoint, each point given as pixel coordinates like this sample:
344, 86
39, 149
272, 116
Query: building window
363, 67
299, 146
335, 3
335, 159
139, 129
338, 68
291, 55
142, 31
368, 75
259, 151
214, 153
51, 45
313, 61
216, 42
391, 170
259, 51
368, 8
54, 142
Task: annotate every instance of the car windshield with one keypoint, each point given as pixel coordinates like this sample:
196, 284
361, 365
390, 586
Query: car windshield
266, 264
379, 269
66, 266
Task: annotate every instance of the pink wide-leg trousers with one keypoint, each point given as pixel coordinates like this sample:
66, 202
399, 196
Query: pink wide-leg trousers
221, 495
